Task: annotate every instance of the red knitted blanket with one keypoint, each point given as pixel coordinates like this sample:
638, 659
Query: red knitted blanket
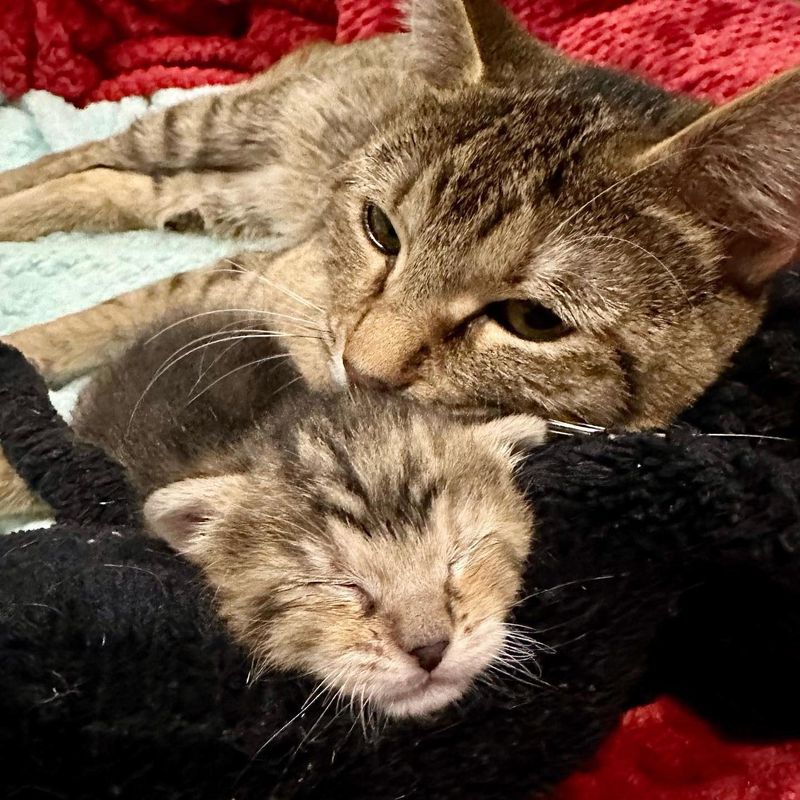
89, 50
86, 50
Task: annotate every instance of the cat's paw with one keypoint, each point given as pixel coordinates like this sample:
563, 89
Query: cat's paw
15, 498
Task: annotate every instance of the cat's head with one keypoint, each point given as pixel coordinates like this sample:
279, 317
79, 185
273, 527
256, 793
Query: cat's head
527, 232
373, 545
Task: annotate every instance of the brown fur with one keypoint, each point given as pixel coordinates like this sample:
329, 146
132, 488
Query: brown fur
341, 534
648, 224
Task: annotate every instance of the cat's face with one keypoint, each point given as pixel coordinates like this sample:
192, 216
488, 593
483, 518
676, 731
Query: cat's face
576, 247
378, 549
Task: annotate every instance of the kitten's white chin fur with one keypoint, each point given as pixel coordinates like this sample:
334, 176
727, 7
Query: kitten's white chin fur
429, 695
423, 693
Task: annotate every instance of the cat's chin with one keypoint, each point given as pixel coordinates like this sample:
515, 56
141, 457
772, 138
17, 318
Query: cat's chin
426, 698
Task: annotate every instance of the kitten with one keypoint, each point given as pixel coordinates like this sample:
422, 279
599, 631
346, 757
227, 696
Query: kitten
468, 217
370, 542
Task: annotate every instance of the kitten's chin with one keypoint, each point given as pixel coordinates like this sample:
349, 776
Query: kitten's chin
427, 698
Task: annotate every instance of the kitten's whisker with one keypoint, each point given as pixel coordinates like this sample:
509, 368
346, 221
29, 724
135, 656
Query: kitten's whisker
361, 711
748, 436
236, 336
523, 651
322, 713
527, 647
565, 585
201, 371
532, 681
220, 338
580, 427
584, 428
311, 698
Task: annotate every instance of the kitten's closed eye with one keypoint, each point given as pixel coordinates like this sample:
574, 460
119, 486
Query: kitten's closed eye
529, 320
353, 591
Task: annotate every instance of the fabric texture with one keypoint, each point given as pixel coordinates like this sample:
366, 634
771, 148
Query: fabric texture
88, 50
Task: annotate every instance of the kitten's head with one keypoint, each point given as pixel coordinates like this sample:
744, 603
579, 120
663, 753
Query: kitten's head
373, 545
527, 232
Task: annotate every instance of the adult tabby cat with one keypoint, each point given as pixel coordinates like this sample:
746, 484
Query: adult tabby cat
466, 217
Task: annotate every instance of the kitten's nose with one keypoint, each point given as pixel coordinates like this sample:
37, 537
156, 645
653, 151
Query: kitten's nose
356, 378
430, 655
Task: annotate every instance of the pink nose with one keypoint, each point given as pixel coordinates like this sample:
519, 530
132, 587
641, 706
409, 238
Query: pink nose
430, 656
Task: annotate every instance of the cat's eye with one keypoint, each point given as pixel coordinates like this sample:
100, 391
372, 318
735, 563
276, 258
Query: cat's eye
380, 231
529, 320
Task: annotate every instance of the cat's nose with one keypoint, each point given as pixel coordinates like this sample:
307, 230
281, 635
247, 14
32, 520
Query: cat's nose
357, 378
430, 656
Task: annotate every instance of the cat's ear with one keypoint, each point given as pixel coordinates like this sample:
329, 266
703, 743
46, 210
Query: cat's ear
459, 42
514, 433
184, 513
739, 167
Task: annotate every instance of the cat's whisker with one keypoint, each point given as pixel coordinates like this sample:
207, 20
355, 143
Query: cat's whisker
523, 647
280, 287
648, 253
579, 427
515, 667
516, 676
362, 710
562, 428
302, 320
286, 385
253, 363
621, 182
202, 370
748, 436
313, 696
221, 338
174, 360
524, 640
329, 690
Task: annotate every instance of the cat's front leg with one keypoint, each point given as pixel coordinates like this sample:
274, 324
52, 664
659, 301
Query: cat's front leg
106, 200
75, 344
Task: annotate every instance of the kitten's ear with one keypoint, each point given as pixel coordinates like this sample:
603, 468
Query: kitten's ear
739, 167
459, 42
183, 513
513, 433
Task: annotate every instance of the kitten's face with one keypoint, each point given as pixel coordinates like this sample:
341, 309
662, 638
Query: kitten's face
380, 552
